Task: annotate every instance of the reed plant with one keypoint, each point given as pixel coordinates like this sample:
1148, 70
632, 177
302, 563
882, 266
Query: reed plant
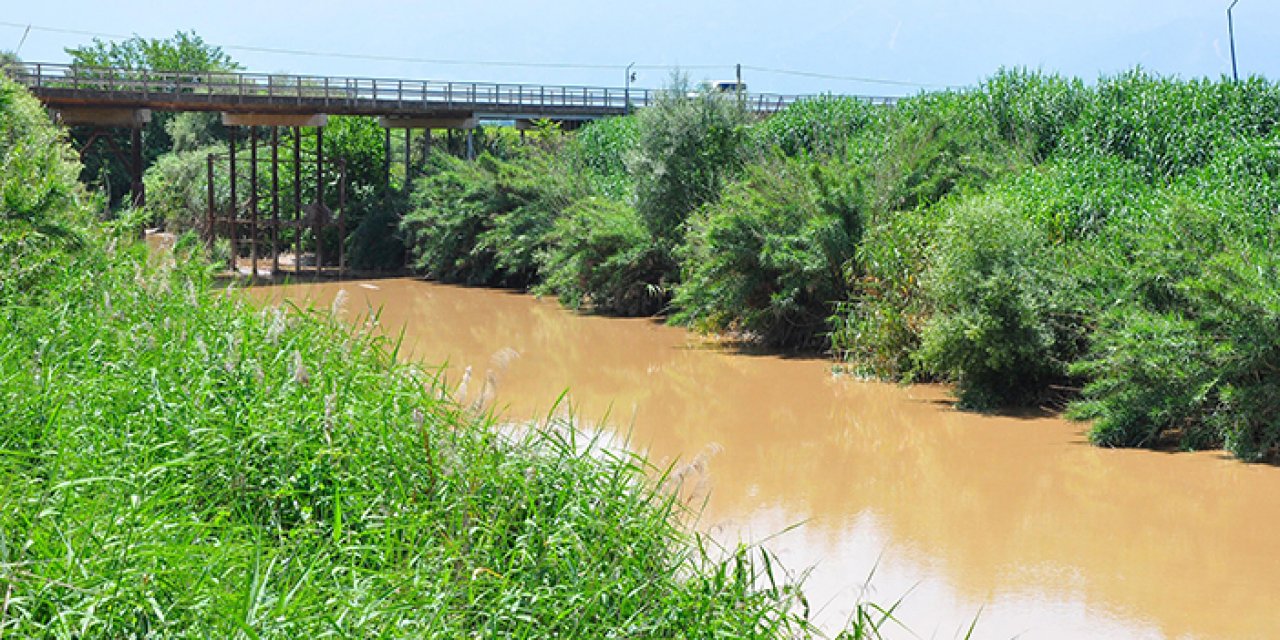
178, 463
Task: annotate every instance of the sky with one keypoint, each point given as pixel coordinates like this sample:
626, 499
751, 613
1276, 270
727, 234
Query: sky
886, 47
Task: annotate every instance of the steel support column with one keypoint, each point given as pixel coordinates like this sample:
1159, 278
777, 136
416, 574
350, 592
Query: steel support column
315, 223
386, 161
297, 200
210, 234
253, 201
275, 201
232, 213
138, 190
408, 153
342, 218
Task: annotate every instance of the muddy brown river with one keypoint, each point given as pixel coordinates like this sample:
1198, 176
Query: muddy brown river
1016, 521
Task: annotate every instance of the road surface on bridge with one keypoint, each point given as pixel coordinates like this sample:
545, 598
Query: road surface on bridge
61, 85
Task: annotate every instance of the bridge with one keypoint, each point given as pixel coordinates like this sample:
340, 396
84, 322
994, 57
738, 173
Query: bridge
114, 98
76, 86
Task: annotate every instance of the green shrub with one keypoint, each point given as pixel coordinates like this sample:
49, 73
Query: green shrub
774, 253
999, 328
193, 130
821, 125
603, 257
1205, 375
376, 243
450, 210
688, 148
530, 192
877, 329
1030, 109
1148, 376
178, 188
487, 221
1191, 356
42, 207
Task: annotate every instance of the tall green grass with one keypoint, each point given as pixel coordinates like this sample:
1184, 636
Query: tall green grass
180, 464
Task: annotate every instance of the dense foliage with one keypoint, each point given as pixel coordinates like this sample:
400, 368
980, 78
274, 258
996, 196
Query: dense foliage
605, 257
184, 52
997, 327
1031, 240
40, 200
819, 126
688, 148
774, 253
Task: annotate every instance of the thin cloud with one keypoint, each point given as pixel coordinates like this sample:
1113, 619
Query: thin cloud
1217, 50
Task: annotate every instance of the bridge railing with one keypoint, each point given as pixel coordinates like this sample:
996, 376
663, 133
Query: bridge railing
350, 92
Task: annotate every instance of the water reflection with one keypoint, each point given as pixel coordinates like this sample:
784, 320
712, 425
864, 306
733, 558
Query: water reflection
1018, 518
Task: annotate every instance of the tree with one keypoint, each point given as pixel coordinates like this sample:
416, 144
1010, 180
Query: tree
185, 51
9, 58
689, 144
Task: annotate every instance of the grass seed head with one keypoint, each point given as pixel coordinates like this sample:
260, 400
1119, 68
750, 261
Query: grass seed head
339, 303
300, 374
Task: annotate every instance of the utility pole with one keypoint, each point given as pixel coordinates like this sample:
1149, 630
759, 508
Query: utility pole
1231, 33
626, 94
738, 87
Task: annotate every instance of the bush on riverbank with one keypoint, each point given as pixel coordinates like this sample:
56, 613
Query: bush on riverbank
450, 210
773, 253
689, 147
999, 326
42, 206
488, 221
604, 257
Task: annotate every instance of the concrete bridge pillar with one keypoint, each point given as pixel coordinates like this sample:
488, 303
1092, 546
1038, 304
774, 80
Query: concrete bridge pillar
467, 123
104, 119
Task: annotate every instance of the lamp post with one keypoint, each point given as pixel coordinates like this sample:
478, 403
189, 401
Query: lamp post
1231, 33
626, 95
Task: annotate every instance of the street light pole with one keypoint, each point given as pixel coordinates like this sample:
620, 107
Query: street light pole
1231, 33
626, 96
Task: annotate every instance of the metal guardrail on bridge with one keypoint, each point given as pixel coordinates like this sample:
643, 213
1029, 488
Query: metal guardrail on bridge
233, 91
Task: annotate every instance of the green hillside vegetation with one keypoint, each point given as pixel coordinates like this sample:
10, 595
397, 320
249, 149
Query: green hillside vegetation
1035, 240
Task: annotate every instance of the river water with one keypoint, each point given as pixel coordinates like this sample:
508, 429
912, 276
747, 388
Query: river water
877, 490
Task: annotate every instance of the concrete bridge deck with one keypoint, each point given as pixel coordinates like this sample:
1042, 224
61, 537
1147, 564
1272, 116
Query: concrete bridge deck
75, 86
